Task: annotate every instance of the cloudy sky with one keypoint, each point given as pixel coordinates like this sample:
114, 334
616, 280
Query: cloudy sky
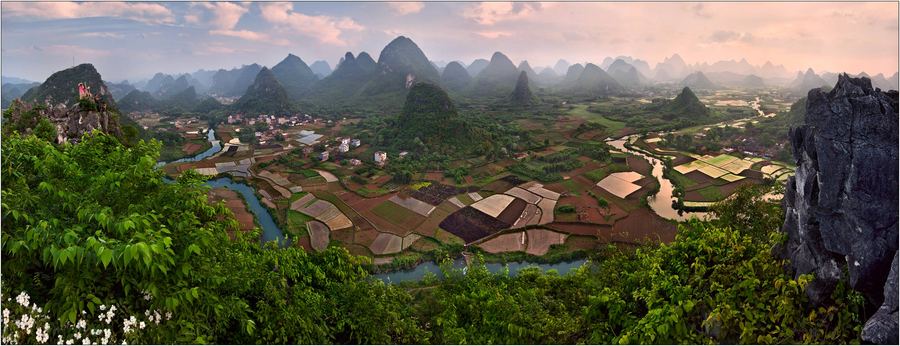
135, 40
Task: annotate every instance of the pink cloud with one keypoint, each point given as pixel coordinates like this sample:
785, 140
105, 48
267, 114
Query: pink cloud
404, 8
493, 34
226, 14
251, 36
490, 13
326, 29
142, 12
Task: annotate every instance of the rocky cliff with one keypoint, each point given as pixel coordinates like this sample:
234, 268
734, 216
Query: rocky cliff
71, 122
841, 206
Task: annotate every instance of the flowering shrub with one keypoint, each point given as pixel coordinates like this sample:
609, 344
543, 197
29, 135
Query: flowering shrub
24, 322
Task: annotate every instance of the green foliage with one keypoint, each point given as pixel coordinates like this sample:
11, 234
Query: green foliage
431, 119
45, 130
94, 224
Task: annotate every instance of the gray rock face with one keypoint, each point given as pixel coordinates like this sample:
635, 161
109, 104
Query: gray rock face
841, 206
882, 327
71, 122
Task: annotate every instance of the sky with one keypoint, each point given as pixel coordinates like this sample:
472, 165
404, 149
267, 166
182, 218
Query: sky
134, 40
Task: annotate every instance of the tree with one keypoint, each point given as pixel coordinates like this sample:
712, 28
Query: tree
45, 130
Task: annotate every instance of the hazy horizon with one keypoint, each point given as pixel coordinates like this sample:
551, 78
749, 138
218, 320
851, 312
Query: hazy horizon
135, 40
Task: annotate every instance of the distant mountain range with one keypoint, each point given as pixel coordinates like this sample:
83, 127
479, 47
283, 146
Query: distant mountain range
360, 80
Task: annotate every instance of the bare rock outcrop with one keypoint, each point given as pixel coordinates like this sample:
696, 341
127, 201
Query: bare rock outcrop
841, 207
71, 122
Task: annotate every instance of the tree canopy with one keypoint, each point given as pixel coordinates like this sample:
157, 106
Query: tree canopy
92, 226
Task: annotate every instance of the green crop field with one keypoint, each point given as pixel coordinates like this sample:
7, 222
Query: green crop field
600, 173
721, 160
680, 179
711, 192
582, 112
296, 222
393, 212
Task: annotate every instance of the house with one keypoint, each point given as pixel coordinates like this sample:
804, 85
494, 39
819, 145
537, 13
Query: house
380, 158
354, 142
355, 162
344, 147
520, 156
323, 156
403, 154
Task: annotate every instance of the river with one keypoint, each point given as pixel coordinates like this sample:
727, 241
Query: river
216, 146
661, 203
271, 232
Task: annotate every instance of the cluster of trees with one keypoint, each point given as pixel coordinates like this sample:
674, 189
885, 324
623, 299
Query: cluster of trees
91, 225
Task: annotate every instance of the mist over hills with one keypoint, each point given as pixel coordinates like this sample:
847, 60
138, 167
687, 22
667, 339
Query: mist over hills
360, 80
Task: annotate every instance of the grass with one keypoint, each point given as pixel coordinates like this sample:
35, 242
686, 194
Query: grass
465, 199
680, 179
582, 112
296, 223
572, 186
393, 213
600, 173
711, 192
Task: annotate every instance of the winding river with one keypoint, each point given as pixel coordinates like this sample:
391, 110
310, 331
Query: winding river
661, 204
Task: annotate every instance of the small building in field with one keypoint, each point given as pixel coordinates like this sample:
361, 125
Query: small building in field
403, 154
355, 162
355, 142
380, 158
323, 156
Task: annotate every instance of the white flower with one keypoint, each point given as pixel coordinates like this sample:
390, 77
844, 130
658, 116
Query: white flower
168, 315
102, 307
77, 335
23, 299
86, 341
82, 324
69, 342
142, 325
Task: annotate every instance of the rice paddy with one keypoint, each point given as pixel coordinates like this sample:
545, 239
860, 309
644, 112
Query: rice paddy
621, 184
